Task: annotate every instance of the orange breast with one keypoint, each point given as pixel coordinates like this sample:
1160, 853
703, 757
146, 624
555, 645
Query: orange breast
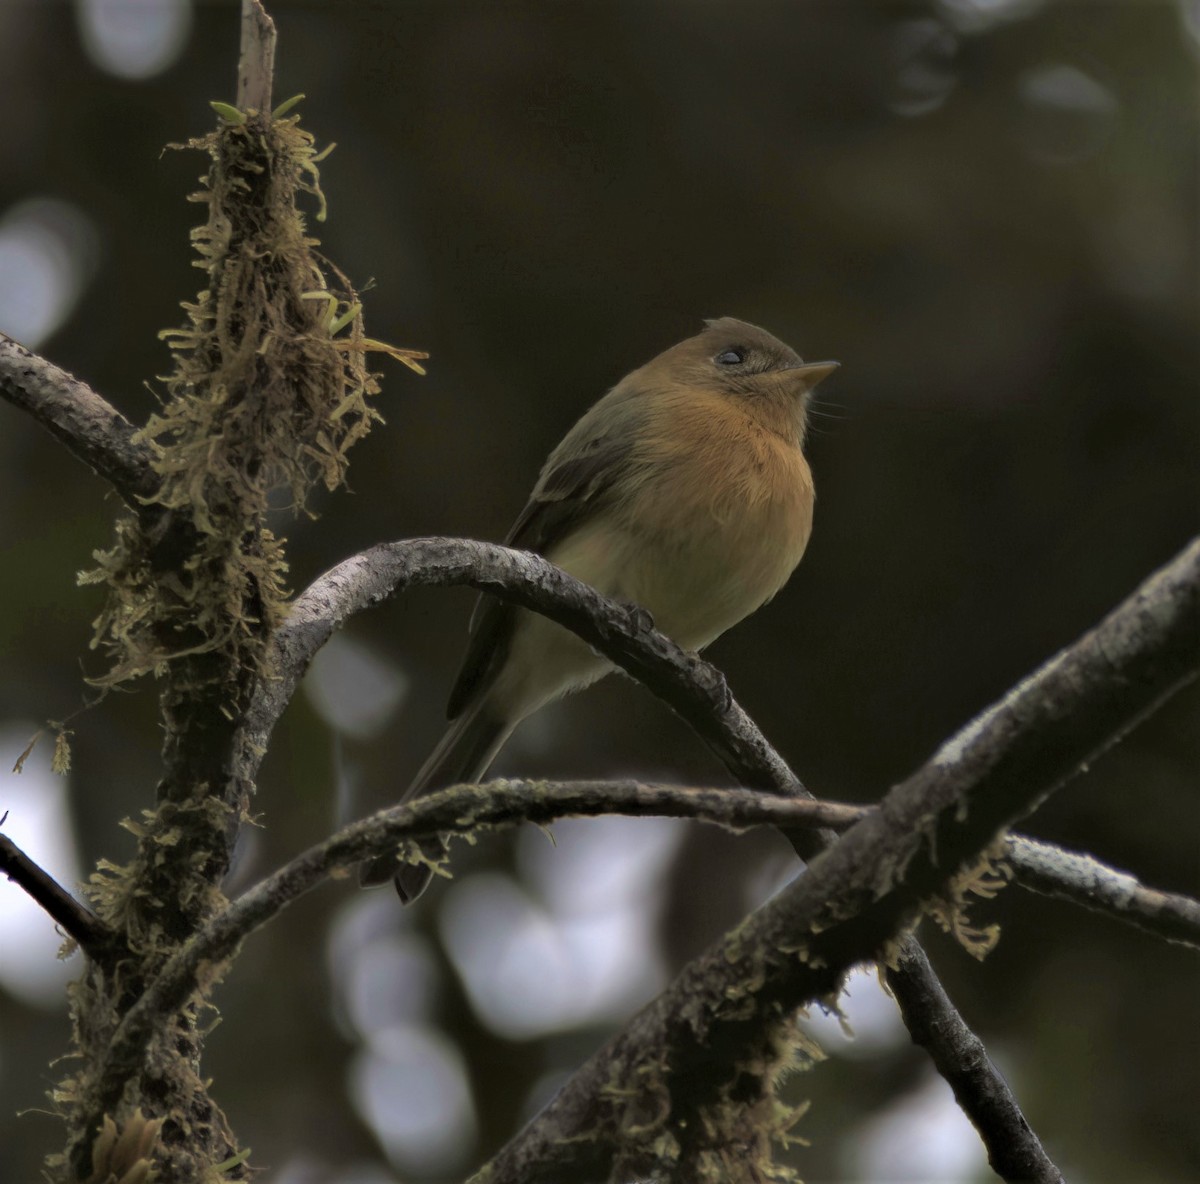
721, 518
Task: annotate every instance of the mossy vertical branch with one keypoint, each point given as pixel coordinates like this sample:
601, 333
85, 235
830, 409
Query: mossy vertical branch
269, 390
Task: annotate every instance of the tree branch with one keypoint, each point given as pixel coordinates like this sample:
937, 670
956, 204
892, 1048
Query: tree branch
458, 810
1084, 880
960, 1057
94, 937
256, 66
92, 430
696, 690
860, 893
470, 807
366, 579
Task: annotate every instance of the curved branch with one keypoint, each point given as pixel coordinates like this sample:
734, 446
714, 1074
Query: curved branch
90, 428
458, 810
690, 685
1082, 879
693, 688
869, 887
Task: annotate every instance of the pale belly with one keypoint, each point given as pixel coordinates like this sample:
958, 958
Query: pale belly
698, 574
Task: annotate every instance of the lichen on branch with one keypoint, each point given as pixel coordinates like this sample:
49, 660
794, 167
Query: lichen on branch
270, 388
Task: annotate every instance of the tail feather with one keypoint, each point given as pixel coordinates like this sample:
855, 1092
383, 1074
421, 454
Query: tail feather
464, 753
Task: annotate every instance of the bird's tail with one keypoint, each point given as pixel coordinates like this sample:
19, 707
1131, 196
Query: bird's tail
464, 753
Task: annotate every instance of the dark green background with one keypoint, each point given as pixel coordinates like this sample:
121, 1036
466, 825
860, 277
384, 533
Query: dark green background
549, 193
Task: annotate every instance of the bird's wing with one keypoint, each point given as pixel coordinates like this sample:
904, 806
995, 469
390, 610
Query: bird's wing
569, 491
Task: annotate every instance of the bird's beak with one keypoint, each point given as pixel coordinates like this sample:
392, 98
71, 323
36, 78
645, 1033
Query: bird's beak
814, 372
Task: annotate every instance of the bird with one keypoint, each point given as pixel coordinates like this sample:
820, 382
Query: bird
685, 491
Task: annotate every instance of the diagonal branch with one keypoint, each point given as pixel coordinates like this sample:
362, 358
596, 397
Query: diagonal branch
74, 919
691, 686
368, 578
1084, 880
858, 895
90, 428
696, 691
960, 1057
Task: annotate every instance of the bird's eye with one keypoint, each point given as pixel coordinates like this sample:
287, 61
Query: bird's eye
731, 357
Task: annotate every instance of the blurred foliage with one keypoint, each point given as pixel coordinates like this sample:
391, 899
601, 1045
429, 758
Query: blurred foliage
986, 211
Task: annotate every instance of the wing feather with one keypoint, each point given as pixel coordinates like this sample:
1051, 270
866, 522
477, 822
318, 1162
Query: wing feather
569, 491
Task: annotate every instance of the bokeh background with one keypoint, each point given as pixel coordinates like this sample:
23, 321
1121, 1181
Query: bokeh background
986, 209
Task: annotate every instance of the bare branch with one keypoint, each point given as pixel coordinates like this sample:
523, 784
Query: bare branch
256, 66
867, 888
94, 937
458, 810
960, 1057
1084, 880
95, 432
369, 578
695, 689
1014, 1150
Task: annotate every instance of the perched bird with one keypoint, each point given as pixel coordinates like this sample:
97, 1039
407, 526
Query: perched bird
684, 490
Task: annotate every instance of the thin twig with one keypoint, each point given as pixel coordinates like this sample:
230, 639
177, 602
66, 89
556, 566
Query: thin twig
1084, 880
256, 64
74, 919
90, 428
458, 810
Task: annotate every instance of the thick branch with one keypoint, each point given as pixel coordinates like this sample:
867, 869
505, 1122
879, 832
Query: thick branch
458, 810
1084, 880
78, 922
693, 688
73, 413
371, 577
860, 893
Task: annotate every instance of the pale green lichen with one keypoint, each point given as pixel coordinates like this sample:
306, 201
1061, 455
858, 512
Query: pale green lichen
732, 1133
270, 388
60, 759
124, 1154
983, 878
